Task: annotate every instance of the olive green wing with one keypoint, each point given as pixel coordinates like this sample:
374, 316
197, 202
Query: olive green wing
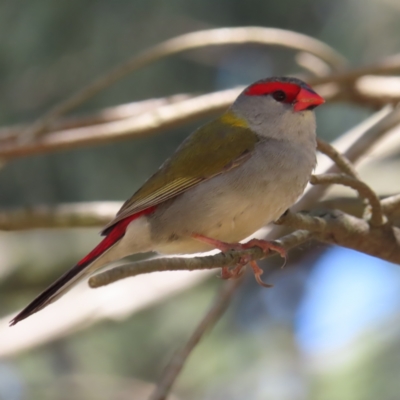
211, 150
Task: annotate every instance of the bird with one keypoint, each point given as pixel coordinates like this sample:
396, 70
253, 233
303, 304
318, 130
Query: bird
226, 180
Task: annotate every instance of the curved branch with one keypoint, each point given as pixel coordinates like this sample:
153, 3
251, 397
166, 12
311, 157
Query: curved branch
339, 159
354, 144
313, 64
152, 122
391, 206
189, 41
383, 121
364, 191
389, 66
164, 117
105, 115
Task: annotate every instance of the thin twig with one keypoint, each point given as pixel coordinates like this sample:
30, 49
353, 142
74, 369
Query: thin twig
354, 144
389, 118
364, 191
162, 118
267, 36
123, 111
370, 87
313, 64
174, 367
105, 115
389, 66
73, 215
194, 40
229, 258
339, 159
391, 205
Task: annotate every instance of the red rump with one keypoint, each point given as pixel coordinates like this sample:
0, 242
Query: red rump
264, 88
114, 234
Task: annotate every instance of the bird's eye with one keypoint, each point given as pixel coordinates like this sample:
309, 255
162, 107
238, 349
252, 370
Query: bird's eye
279, 95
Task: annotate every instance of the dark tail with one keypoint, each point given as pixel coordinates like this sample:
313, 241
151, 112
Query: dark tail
71, 277
52, 293
113, 235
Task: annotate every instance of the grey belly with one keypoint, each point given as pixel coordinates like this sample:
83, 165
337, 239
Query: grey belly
228, 207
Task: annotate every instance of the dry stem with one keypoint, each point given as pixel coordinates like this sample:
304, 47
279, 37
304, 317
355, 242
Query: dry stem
177, 362
92, 214
364, 191
391, 205
206, 38
339, 159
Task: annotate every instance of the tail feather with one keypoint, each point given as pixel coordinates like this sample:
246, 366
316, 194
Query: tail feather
83, 268
52, 293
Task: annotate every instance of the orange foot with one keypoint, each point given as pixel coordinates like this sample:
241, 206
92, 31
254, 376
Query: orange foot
236, 272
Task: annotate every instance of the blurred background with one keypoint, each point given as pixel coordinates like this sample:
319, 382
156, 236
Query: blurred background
329, 329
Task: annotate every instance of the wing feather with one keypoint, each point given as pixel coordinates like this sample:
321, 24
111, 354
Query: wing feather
223, 145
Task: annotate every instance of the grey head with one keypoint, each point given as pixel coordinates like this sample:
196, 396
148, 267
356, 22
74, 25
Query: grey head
279, 108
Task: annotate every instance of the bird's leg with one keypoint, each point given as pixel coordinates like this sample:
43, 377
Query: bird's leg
236, 272
226, 273
218, 244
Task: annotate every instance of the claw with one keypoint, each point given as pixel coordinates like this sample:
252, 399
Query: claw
237, 271
257, 274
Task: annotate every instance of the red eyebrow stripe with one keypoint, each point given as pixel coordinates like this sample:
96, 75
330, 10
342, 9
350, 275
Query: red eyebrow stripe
264, 88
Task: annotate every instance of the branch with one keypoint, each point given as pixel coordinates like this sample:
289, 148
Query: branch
333, 227
362, 85
354, 144
313, 64
227, 259
91, 214
389, 66
391, 206
364, 191
152, 122
99, 213
108, 114
336, 227
164, 117
98, 134
177, 362
376, 90
194, 40
339, 159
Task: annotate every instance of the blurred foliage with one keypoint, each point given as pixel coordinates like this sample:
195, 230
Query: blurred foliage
49, 49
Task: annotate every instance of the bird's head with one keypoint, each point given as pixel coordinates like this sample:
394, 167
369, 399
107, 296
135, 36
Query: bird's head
278, 106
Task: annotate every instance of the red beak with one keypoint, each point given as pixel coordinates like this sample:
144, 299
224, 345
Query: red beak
307, 99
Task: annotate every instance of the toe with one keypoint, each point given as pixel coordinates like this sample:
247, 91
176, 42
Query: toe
257, 274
